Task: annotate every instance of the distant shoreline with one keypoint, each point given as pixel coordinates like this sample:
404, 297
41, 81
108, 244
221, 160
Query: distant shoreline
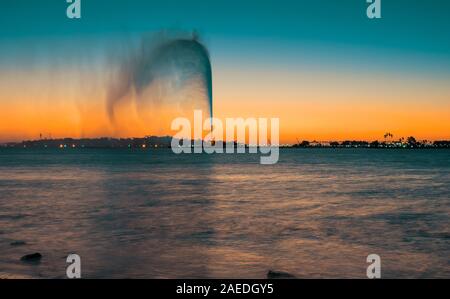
165, 142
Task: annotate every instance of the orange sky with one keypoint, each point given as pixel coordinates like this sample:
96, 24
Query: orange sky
311, 105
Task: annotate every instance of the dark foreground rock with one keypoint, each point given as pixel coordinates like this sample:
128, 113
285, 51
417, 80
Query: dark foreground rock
34, 257
279, 275
18, 243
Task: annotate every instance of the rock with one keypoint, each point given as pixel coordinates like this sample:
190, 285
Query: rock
18, 243
279, 275
34, 257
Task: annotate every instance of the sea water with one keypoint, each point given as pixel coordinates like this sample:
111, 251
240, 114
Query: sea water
132, 213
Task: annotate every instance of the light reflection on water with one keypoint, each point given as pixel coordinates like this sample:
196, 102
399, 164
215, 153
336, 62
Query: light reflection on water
153, 214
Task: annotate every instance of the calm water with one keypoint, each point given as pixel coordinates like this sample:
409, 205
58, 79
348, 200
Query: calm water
153, 214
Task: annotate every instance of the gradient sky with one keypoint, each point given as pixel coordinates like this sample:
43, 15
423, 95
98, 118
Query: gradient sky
321, 66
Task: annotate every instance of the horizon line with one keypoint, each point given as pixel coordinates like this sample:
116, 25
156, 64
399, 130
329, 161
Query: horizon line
299, 141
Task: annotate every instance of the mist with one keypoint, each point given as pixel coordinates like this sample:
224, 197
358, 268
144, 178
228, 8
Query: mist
126, 86
167, 71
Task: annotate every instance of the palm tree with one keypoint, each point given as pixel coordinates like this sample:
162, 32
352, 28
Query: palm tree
411, 141
388, 135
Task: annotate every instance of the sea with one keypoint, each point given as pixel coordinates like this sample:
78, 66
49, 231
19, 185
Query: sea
149, 213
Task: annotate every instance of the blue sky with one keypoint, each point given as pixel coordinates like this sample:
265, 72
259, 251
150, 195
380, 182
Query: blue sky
421, 27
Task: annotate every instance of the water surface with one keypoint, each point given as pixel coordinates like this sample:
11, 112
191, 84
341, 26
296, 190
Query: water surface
153, 214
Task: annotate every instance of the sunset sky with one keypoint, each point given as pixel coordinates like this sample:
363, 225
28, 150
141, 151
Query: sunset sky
321, 66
